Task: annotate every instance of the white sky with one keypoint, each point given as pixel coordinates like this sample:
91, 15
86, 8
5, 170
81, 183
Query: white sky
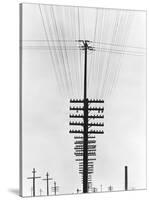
119, 79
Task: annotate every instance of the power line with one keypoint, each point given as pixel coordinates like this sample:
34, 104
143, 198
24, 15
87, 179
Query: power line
101, 43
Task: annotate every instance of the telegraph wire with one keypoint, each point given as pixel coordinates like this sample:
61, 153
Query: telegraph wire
103, 67
53, 63
60, 52
100, 43
119, 34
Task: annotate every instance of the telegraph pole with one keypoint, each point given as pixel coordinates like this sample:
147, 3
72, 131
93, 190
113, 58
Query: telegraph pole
33, 178
55, 188
78, 190
47, 179
110, 188
94, 189
31, 191
85, 136
85, 144
41, 192
101, 187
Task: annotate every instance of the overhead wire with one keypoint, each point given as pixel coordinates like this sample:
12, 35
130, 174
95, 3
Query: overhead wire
130, 20
103, 66
67, 78
115, 29
52, 59
99, 57
121, 38
66, 55
75, 74
91, 65
100, 43
80, 62
54, 54
113, 69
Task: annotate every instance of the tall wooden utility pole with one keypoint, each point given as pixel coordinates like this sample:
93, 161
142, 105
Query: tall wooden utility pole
85, 147
33, 178
47, 179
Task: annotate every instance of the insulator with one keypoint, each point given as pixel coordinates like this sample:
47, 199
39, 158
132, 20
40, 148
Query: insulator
76, 108
96, 124
76, 123
96, 132
76, 116
95, 116
76, 131
96, 101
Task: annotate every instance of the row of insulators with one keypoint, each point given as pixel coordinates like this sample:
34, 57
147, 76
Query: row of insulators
81, 131
90, 100
90, 116
91, 137
89, 124
90, 108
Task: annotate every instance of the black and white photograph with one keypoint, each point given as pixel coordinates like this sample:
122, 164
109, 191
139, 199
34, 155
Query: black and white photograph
82, 99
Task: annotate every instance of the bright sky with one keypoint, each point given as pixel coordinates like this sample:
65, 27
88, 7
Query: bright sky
53, 73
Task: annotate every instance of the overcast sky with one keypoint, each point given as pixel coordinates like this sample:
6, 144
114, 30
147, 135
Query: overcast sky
51, 78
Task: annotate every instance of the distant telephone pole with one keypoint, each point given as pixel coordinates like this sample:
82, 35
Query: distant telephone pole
41, 192
110, 188
33, 179
78, 190
94, 189
47, 179
31, 191
55, 188
101, 187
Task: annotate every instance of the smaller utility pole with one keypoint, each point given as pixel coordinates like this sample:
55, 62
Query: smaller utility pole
31, 191
33, 178
41, 192
47, 179
78, 190
110, 188
126, 178
94, 189
55, 188
101, 187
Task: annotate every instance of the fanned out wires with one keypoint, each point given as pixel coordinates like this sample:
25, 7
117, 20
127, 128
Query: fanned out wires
65, 27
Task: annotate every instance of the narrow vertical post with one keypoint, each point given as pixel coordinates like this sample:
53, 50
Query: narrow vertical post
20, 98
31, 191
33, 180
85, 138
47, 182
41, 192
78, 190
85, 69
101, 187
126, 178
54, 187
